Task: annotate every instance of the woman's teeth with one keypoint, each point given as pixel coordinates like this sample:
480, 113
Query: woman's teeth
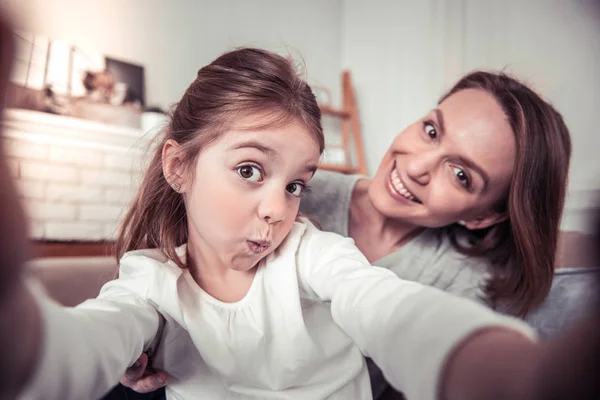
400, 187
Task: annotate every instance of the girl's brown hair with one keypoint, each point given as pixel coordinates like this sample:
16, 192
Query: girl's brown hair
236, 85
522, 249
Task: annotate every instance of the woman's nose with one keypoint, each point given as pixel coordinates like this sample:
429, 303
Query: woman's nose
421, 165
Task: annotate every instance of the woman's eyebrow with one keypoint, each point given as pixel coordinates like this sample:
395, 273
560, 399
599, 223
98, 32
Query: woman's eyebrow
467, 162
464, 160
440, 117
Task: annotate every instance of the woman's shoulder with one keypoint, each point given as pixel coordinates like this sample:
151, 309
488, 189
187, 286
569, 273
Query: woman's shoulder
327, 185
328, 200
432, 259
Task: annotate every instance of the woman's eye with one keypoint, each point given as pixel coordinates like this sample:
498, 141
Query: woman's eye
295, 189
250, 173
430, 131
462, 176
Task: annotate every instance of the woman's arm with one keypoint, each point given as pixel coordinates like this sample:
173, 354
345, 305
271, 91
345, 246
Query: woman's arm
409, 330
20, 337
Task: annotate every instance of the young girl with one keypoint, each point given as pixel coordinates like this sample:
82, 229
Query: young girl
247, 299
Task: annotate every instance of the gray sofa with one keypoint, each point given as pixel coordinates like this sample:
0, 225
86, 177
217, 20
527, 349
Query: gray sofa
572, 297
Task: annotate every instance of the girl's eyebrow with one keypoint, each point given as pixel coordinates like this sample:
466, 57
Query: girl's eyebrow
253, 144
269, 152
311, 168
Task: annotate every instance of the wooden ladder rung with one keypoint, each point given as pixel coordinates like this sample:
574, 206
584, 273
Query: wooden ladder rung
346, 169
327, 110
350, 125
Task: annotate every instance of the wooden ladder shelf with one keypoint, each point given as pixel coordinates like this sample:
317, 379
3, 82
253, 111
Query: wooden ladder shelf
351, 136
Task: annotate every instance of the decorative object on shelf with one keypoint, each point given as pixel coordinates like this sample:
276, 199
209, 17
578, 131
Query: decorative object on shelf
154, 120
348, 156
58, 78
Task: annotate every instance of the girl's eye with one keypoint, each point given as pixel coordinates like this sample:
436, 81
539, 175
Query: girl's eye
462, 177
250, 173
430, 131
295, 189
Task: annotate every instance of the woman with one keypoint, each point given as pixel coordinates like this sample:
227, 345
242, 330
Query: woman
467, 199
486, 172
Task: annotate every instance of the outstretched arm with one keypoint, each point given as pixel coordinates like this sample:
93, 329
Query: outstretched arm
429, 344
86, 349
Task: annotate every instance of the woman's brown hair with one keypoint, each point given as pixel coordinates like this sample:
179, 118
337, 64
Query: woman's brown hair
522, 249
236, 85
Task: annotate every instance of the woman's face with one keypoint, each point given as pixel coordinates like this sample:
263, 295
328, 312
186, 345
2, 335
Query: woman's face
454, 164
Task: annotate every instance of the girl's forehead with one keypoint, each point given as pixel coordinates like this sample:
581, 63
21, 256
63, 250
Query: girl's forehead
276, 134
290, 144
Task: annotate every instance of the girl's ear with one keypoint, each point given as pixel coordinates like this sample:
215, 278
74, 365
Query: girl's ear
172, 165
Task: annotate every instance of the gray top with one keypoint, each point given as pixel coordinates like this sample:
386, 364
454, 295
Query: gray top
429, 258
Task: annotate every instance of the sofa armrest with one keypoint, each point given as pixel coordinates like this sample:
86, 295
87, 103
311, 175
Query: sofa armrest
71, 280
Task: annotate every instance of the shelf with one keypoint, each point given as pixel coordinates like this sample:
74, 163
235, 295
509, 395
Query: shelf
48, 128
351, 144
346, 169
327, 110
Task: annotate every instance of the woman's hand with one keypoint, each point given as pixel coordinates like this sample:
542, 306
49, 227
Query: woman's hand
20, 320
142, 378
501, 364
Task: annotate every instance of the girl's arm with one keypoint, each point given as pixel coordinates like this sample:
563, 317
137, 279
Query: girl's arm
411, 331
85, 350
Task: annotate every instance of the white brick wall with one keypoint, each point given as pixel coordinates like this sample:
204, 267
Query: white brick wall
36, 229
76, 193
74, 231
46, 171
72, 192
32, 189
119, 196
100, 213
105, 177
65, 155
123, 162
13, 165
26, 149
46, 211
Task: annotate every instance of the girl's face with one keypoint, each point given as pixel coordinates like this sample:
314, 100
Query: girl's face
454, 164
246, 189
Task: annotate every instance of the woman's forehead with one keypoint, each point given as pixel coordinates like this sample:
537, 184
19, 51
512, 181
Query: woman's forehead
476, 126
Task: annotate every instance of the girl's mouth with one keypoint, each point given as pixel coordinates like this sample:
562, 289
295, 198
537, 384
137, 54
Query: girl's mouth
258, 246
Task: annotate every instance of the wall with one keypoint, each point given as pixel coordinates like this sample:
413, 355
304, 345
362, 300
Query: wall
393, 50
404, 54
76, 183
173, 39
